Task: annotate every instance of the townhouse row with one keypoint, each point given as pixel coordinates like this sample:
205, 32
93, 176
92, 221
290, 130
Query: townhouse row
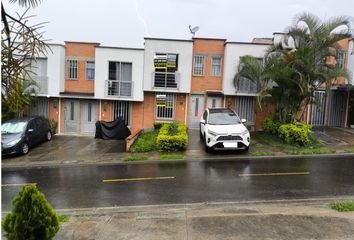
79, 83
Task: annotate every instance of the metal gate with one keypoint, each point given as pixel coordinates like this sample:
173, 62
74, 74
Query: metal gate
71, 116
337, 109
196, 110
39, 107
318, 108
122, 109
88, 118
245, 108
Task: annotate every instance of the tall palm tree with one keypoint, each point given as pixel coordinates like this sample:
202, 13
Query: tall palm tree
301, 63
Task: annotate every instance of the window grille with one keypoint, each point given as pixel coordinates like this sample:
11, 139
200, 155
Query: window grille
72, 69
198, 68
165, 105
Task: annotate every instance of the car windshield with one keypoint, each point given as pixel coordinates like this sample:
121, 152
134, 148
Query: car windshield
223, 118
13, 127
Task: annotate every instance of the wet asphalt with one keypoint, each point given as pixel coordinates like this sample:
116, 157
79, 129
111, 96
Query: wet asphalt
184, 182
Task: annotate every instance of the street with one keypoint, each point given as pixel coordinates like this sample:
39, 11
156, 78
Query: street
183, 182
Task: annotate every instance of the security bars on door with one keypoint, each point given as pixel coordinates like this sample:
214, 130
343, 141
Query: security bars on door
245, 108
122, 109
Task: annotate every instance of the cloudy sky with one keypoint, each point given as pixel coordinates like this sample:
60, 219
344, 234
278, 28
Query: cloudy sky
127, 22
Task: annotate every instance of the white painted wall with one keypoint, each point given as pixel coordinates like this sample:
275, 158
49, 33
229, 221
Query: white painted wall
55, 70
184, 49
105, 54
233, 52
351, 62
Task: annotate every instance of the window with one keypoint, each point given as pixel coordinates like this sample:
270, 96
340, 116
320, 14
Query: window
71, 69
89, 112
198, 69
90, 70
72, 106
165, 104
340, 58
119, 79
121, 109
120, 71
216, 66
165, 74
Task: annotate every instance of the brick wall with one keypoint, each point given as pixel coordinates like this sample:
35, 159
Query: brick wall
81, 52
208, 48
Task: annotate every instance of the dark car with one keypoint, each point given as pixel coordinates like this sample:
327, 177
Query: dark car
21, 134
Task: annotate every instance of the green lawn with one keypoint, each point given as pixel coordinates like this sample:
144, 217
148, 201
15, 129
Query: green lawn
171, 156
146, 142
134, 157
265, 144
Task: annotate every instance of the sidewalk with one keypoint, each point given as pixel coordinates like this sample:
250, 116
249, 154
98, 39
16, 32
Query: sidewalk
304, 219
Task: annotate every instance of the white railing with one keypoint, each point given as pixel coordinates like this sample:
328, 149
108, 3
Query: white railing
165, 80
114, 88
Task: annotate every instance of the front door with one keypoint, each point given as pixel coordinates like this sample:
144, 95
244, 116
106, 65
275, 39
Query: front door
214, 102
71, 116
88, 117
196, 110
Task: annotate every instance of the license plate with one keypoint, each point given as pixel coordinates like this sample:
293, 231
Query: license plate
230, 145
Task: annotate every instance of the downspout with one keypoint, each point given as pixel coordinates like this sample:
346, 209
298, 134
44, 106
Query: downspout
186, 110
59, 116
346, 111
100, 117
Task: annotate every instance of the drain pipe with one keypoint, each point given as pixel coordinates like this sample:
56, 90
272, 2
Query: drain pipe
186, 110
59, 116
100, 117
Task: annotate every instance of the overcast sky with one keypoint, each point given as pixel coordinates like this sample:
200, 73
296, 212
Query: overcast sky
125, 23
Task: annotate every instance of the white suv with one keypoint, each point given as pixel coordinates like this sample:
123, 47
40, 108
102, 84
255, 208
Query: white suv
221, 128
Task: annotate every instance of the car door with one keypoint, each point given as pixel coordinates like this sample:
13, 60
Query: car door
32, 134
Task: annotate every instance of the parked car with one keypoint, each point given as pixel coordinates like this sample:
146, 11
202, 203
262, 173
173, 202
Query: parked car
221, 129
21, 134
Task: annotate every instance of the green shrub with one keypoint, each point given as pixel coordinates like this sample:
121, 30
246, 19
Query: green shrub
158, 125
343, 206
145, 143
172, 137
295, 133
31, 218
271, 126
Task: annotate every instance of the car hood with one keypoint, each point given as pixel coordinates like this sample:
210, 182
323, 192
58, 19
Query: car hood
6, 138
227, 129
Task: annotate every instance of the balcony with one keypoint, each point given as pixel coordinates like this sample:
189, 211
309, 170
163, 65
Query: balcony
165, 80
246, 86
38, 84
114, 88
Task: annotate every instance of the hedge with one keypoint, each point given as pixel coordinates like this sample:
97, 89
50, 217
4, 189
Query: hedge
172, 137
295, 133
271, 126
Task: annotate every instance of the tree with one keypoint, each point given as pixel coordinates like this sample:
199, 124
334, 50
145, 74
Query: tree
32, 217
21, 43
298, 67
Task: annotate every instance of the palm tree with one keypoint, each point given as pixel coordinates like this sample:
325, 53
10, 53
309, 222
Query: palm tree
300, 65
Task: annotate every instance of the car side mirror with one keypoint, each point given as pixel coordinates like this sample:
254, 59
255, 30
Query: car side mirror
202, 121
243, 120
30, 130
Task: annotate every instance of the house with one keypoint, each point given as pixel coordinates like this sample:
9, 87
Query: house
79, 83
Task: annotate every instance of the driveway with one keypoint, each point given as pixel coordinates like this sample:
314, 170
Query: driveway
70, 149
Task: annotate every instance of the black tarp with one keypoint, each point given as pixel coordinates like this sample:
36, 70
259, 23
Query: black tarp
112, 130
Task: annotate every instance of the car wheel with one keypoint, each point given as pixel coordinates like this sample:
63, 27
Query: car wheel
24, 148
48, 136
246, 149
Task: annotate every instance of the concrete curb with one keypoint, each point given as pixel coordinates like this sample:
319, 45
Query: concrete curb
187, 159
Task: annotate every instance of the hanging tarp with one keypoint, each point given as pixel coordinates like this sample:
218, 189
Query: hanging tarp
112, 130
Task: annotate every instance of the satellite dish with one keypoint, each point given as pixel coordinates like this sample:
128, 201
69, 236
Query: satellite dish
193, 30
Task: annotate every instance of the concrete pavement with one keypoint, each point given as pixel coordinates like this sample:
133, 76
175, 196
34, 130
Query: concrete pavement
307, 219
